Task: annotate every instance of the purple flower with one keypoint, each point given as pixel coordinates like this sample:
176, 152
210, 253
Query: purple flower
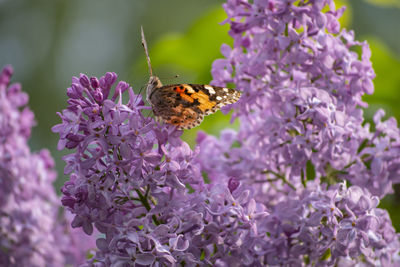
338, 223
301, 122
131, 179
273, 193
302, 87
31, 232
233, 184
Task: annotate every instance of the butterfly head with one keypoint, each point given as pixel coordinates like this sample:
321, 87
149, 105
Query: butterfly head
153, 84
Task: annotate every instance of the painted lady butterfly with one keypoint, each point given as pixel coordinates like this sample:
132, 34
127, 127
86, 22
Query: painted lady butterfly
185, 105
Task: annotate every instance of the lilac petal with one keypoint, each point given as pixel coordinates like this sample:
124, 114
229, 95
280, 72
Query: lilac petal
102, 244
145, 258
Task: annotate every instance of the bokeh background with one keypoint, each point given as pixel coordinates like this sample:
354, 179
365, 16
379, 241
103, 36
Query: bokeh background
48, 42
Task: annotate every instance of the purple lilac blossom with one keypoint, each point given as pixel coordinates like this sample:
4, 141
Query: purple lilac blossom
316, 225
130, 178
31, 233
302, 85
142, 187
301, 120
275, 193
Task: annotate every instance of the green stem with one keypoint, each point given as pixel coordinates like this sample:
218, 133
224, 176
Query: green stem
146, 204
280, 177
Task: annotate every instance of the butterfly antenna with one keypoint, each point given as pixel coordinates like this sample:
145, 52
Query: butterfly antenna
146, 51
148, 61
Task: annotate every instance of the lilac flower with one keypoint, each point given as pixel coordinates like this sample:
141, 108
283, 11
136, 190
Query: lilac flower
325, 227
302, 87
141, 203
313, 225
273, 193
130, 180
31, 234
301, 122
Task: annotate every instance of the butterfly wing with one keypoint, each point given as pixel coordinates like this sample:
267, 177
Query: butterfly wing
218, 96
185, 105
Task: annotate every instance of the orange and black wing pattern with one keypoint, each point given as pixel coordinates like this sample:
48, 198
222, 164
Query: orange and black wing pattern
185, 105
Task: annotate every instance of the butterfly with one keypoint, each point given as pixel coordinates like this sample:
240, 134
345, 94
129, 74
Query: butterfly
185, 105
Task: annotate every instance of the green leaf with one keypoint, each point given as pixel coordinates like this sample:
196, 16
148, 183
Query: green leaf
205, 177
387, 81
326, 256
189, 188
236, 144
362, 146
202, 255
310, 171
392, 205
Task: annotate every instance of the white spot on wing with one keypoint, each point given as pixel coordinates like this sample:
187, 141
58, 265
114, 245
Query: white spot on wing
226, 90
219, 98
210, 89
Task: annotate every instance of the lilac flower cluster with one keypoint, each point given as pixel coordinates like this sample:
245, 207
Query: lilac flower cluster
274, 193
137, 183
140, 186
31, 234
306, 225
301, 120
302, 84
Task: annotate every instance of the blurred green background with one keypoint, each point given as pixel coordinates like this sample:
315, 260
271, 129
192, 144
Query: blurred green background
47, 42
